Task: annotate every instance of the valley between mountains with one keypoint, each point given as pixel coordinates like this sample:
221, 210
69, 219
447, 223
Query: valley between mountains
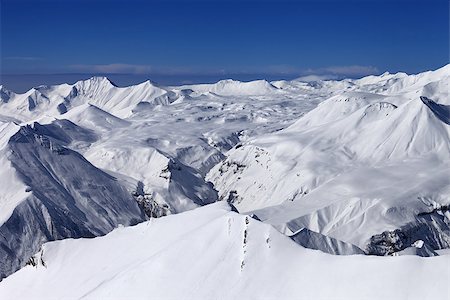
232, 190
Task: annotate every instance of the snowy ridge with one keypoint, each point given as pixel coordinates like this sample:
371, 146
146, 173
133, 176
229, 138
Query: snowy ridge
60, 195
98, 91
236, 88
250, 259
13, 190
314, 240
313, 171
344, 167
150, 141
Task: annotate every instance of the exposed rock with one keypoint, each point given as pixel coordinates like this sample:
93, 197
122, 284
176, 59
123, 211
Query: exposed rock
432, 228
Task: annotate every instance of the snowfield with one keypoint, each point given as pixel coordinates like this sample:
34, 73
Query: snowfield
354, 168
366, 160
212, 253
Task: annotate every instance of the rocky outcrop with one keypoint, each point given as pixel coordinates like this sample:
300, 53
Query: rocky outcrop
432, 228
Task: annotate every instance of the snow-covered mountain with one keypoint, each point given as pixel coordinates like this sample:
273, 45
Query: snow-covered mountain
56, 193
212, 253
98, 91
231, 87
349, 167
75, 155
372, 159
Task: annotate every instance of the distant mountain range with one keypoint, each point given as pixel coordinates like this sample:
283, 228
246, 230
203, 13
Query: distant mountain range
353, 167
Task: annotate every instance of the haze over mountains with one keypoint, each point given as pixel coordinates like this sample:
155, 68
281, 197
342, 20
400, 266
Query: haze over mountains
349, 167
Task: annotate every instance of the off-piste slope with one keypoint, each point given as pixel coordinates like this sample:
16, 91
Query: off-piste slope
363, 162
212, 253
79, 159
56, 193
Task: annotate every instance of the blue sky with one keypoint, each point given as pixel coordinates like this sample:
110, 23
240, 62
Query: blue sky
185, 40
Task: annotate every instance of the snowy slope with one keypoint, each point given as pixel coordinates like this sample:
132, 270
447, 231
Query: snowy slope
346, 167
52, 192
359, 164
149, 148
212, 253
98, 91
231, 87
13, 191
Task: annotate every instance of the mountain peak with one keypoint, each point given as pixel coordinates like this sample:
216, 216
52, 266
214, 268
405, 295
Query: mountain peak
101, 80
148, 82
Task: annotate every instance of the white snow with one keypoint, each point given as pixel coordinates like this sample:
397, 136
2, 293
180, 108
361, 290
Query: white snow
231, 87
13, 190
355, 166
341, 161
211, 253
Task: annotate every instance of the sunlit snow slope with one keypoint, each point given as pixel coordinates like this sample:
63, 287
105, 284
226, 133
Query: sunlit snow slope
346, 167
80, 159
212, 253
373, 158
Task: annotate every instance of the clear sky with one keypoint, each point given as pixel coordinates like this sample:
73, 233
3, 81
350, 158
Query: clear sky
200, 40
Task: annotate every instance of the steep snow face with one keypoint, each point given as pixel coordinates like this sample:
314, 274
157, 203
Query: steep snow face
314, 240
212, 253
357, 165
55, 194
118, 101
12, 189
98, 91
403, 131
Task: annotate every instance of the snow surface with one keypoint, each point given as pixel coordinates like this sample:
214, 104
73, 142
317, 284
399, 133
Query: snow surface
212, 253
155, 143
366, 160
346, 167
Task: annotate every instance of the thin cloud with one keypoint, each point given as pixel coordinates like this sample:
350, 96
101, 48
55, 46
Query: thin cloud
309, 78
26, 58
333, 72
354, 70
119, 68
113, 68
